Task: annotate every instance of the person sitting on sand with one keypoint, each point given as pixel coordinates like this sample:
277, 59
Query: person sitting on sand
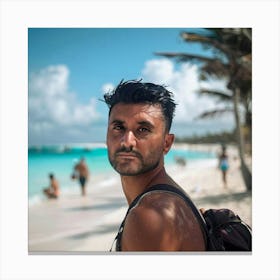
53, 190
138, 137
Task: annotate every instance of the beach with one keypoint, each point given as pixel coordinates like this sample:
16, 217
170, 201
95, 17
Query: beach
79, 225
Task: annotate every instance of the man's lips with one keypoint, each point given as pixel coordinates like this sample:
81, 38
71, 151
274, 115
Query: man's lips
126, 155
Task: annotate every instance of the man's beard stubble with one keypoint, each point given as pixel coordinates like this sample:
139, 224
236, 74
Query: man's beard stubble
143, 167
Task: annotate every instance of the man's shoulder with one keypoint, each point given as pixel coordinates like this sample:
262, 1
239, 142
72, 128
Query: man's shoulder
161, 217
146, 225
159, 199
167, 205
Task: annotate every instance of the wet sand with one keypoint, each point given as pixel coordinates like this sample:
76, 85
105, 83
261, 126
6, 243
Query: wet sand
76, 224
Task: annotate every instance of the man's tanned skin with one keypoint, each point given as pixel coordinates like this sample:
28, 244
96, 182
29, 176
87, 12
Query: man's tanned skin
161, 222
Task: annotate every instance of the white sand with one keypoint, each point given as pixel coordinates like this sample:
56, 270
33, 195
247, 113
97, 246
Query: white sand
79, 224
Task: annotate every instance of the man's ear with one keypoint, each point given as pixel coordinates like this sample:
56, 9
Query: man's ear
169, 139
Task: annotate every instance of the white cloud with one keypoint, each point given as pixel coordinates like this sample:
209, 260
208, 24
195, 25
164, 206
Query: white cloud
56, 114
159, 71
52, 107
183, 82
107, 87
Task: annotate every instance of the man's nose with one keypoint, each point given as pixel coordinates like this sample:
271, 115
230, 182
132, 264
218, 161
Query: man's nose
128, 140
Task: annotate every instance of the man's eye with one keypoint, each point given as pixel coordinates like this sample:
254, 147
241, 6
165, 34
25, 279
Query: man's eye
117, 127
143, 129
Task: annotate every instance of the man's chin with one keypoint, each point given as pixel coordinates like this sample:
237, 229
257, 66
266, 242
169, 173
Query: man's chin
124, 172
132, 169
134, 172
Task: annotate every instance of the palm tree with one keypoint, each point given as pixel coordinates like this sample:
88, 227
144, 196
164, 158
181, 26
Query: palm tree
231, 59
245, 102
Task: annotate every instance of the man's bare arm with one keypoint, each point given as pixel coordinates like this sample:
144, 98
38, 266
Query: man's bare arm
161, 223
146, 229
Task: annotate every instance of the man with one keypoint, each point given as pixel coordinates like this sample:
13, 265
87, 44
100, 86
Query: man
53, 190
140, 117
83, 174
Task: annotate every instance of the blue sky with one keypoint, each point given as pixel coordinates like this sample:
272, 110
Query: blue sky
71, 68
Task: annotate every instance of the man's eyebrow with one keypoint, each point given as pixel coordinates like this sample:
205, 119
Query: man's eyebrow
146, 123
117, 122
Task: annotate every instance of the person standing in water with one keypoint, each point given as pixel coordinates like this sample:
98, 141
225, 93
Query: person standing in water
224, 165
82, 171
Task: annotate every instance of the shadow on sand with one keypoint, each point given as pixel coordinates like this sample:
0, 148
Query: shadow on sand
216, 199
110, 204
100, 230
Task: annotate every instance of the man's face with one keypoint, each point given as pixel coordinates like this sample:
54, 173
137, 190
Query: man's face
137, 138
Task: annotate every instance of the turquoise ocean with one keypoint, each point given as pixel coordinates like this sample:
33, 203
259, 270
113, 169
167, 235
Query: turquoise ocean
60, 160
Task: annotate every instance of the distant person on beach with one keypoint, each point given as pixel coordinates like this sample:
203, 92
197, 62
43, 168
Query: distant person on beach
82, 171
223, 164
138, 137
180, 161
53, 190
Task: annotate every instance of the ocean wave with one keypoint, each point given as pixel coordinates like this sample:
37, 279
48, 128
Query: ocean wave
65, 148
108, 182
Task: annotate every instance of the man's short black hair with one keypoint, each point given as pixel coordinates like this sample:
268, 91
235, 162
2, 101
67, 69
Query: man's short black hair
135, 92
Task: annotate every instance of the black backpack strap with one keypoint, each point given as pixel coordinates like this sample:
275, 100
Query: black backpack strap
167, 188
119, 234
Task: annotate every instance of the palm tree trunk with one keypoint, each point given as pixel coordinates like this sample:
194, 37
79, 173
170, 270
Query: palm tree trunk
246, 174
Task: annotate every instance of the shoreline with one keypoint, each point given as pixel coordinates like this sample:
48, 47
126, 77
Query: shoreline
104, 176
108, 179
88, 224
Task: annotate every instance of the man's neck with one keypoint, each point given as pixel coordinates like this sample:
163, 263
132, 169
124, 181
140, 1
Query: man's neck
135, 185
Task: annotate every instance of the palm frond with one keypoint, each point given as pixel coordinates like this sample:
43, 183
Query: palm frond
215, 93
184, 56
213, 113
